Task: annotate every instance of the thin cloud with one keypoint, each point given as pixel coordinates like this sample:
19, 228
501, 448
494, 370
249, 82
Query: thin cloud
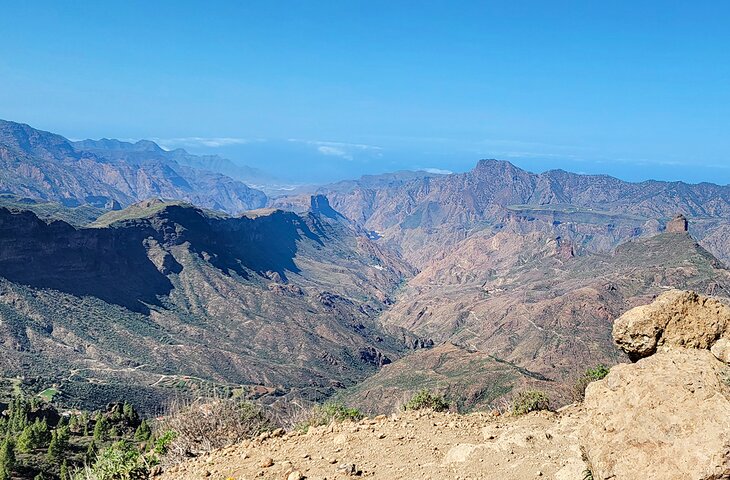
438, 171
334, 152
210, 142
340, 145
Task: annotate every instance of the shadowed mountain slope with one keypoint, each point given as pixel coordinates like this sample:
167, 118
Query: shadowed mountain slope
176, 298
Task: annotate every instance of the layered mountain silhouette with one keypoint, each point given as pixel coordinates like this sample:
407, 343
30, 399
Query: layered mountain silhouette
132, 272
596, 212
111, 173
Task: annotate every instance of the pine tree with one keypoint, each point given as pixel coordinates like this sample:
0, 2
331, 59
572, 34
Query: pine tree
130, 415
59, 444
7, 459
64, 471
91, 452
143, 432
101, 428
19, 410
34, 436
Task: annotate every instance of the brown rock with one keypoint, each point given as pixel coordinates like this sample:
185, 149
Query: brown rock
676, 318
721, 350
678, 224
665, 417
267, 462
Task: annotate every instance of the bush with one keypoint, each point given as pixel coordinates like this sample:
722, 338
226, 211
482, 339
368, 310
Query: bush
121, 461
198, 428
426, 399
591, 375
530, 401
328, 413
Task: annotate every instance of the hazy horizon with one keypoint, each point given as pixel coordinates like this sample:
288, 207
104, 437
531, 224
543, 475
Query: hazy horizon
322, 92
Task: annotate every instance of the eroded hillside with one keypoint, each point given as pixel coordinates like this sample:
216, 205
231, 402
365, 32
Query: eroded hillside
664, 417
171, 298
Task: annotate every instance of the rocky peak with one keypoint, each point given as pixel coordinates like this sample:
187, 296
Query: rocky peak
320, 205
678, 224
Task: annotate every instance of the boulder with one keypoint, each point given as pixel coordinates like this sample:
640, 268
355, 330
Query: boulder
675, 319
665, 417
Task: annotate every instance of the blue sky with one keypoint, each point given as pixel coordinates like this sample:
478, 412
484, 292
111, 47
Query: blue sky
323, 90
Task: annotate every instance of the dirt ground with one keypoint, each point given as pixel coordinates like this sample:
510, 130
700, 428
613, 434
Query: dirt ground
411, 445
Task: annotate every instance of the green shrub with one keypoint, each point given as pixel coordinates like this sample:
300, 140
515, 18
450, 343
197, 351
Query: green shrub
425, 399
162, 443
530, 401
598, 372
327, 413
121, 461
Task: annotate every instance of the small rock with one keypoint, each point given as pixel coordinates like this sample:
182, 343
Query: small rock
347, 468
277, 433
267, 462
295, 475
721, 350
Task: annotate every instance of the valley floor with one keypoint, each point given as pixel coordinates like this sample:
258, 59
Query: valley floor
411, 445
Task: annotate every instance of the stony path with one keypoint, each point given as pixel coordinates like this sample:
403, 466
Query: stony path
407, 446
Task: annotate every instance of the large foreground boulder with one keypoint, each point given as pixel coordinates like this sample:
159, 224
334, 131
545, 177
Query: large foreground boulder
675, 319
667, 416
664, 417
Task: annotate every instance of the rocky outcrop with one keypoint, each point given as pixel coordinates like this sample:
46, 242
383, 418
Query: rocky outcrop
678, 224
676, 319
667, 416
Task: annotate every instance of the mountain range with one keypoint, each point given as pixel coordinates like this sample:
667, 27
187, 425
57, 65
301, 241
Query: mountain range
110, 173
129, 271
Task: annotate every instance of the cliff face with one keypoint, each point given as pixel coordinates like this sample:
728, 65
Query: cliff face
170, 293
45, 166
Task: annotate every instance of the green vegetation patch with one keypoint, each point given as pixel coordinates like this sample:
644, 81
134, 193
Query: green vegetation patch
425, 399
48, 394
530, 401
328, 413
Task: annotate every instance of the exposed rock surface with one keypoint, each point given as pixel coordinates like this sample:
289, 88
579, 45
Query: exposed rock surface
678, 224
676, 319
666, 416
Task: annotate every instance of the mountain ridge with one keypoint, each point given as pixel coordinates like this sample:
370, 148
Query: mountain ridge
47, 166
